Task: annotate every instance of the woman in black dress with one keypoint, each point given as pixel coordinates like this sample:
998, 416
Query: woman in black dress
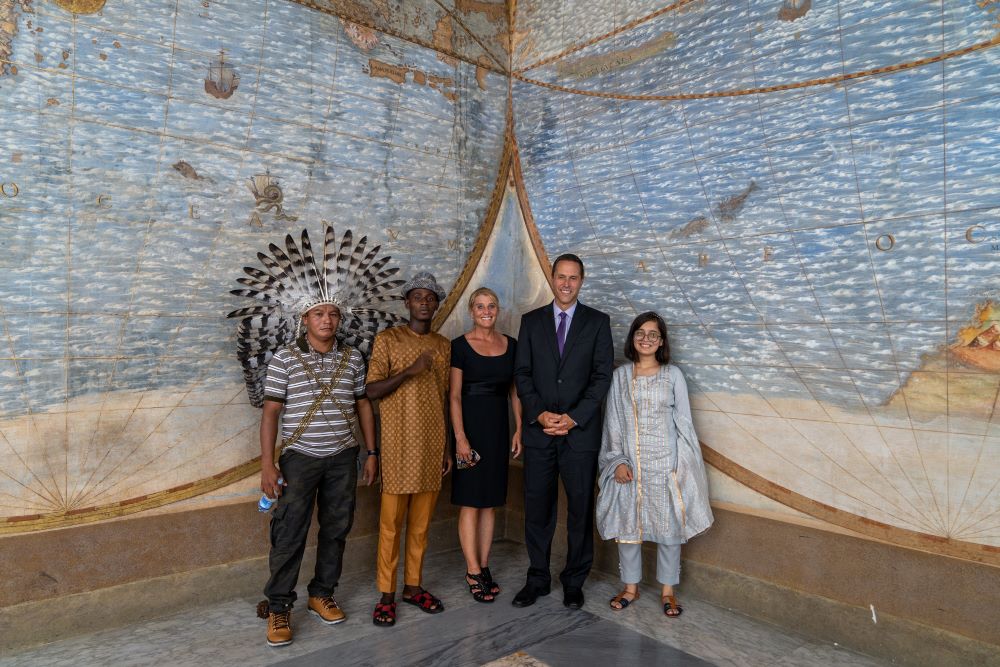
482, 371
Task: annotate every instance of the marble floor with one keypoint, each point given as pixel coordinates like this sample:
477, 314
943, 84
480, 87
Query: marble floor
467, 633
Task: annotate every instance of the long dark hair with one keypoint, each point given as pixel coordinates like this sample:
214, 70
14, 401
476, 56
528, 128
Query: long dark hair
662, 352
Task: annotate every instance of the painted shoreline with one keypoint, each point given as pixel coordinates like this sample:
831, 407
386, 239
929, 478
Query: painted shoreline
906, 470
115, 450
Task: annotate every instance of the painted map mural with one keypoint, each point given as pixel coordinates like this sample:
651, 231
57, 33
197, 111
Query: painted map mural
148, 150
826, 255
807, 191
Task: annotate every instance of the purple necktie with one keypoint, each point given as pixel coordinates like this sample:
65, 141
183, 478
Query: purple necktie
561, 332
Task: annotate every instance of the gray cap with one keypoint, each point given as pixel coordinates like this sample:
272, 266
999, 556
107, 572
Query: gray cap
424, 280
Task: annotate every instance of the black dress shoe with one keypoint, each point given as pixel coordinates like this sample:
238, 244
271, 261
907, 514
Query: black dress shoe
573, 597
528, 595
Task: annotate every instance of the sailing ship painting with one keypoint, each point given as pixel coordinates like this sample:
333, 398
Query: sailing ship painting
222, 80
794, 9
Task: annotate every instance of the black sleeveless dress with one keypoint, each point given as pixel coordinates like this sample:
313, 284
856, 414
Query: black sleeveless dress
486, 385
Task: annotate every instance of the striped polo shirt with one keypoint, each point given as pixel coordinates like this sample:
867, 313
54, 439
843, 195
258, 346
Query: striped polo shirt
287, 382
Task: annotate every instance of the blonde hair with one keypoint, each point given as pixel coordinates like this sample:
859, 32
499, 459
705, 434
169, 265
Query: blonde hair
481, 291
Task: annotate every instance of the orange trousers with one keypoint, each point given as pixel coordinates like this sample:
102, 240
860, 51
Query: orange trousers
417, 509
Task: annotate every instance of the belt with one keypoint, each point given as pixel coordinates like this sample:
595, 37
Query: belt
484, 389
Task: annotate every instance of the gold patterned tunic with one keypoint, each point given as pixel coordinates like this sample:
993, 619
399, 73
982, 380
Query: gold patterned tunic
412, 417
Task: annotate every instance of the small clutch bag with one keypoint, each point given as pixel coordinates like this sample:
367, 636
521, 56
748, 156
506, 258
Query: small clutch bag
473, 460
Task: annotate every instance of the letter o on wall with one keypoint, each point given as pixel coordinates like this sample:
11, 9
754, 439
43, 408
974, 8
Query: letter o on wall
886, 242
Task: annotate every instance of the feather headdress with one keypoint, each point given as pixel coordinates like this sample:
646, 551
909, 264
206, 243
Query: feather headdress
349, 277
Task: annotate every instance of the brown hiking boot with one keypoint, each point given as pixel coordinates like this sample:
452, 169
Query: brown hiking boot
327, 609
279, 629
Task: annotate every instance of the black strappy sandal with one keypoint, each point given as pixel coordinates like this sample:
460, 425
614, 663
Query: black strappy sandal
494, 586
479, 589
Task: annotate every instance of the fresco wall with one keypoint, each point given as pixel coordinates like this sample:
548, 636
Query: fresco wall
825, 252
805, 190
148, 150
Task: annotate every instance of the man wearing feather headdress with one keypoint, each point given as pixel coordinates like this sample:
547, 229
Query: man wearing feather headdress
316, 383
312, 385
408, 371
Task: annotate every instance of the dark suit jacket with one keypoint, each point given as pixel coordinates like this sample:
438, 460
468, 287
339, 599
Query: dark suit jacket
575, 384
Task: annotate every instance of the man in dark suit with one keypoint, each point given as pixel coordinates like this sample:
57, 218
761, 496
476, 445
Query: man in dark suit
562, 370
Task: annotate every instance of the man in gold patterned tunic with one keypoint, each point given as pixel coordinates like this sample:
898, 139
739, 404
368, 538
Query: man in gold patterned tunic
408, 373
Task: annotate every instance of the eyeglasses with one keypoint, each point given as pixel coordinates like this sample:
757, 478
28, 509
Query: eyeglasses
651, 336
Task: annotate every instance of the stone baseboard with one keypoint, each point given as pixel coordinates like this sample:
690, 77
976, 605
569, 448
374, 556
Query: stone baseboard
47, 620
896, 640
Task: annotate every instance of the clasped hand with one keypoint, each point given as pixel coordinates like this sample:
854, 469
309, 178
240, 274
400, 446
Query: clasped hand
555, 424
623, 474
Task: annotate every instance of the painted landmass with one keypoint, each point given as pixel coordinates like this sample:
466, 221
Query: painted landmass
960, 380
397, 73
443, 37
81, 6
494, 11
588, 66
423, 22
8, 31
978, 345
481, 72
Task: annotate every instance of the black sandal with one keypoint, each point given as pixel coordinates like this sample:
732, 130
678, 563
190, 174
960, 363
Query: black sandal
384, 614
620, 602
479, 587
426, 602
670, 607
494, 586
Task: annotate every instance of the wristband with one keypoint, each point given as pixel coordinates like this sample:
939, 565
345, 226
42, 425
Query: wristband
373, 452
